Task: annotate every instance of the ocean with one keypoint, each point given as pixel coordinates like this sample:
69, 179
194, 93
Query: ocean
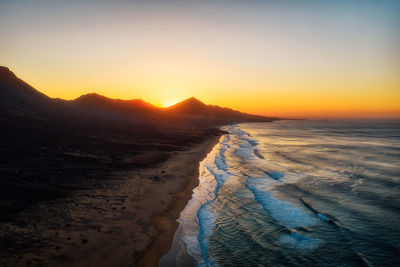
296, 193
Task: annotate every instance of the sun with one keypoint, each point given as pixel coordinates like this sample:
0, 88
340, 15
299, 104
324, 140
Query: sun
167, 103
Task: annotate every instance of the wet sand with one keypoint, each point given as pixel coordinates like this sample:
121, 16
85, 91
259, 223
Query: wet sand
166, 223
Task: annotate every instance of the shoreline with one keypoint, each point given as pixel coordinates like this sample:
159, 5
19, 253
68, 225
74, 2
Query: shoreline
166, 223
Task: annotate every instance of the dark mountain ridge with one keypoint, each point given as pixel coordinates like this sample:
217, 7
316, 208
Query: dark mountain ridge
19, 98
196, 110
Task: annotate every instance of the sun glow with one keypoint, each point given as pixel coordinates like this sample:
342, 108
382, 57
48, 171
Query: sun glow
239, 55
167, 103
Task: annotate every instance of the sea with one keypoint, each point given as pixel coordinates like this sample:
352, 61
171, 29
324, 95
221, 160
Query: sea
295, 193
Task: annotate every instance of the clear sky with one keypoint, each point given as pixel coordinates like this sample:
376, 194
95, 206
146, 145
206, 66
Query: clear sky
315, 58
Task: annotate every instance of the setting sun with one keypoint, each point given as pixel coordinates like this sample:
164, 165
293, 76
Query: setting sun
167, 103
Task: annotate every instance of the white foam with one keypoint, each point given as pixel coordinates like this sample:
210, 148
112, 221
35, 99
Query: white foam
196, 220
245, 153
188, 219
207, 227
285, 213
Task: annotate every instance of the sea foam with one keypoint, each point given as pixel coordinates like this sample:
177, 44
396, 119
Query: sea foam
285, 213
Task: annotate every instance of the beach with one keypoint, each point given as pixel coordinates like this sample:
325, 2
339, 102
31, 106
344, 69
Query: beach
128, 220
186, 167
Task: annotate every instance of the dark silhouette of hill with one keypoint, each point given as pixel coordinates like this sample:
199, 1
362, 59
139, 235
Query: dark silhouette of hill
101, 106
191, 111
194, 109
189, 106
19, 98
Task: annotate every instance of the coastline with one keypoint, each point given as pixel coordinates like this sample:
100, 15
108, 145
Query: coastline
166, 223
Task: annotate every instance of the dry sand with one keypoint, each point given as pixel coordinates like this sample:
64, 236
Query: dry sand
130, 221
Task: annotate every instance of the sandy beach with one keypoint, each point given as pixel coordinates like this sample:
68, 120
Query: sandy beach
130, 221
166, 223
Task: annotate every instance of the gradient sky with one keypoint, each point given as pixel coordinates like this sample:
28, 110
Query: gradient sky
285, 58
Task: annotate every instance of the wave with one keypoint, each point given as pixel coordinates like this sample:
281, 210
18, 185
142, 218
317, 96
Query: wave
286, 201
282, 211
197, 221
298, 241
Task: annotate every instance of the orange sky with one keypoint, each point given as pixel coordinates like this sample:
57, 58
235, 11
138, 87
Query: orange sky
331, 59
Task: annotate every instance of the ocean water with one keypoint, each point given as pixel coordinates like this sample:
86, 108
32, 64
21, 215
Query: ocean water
296, 193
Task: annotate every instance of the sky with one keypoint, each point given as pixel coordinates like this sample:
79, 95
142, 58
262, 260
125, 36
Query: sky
281, 58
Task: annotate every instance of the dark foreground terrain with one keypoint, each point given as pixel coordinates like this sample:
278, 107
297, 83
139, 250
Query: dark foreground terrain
91, 181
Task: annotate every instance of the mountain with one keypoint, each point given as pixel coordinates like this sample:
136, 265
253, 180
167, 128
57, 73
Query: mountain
96, 100
189, 106
98, 106
194, 109
19, 98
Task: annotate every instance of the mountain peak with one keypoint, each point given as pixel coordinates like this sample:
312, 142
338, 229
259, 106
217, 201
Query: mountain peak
189, 106
4, 69
6, 74
90, 95
191, 101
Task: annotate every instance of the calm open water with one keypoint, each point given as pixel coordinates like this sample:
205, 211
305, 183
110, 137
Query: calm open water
296, 193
